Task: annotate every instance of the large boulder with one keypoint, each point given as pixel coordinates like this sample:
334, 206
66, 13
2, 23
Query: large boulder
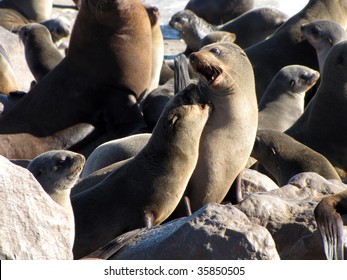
32, 225
213, 232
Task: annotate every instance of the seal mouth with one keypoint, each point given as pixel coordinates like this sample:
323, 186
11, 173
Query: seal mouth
208, 71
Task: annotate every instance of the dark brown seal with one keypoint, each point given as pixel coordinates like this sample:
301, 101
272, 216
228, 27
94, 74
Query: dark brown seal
219, 11
284, 157
146, 189
324, 121
99, 80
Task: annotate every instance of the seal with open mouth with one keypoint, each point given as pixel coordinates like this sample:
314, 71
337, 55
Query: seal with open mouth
225, 77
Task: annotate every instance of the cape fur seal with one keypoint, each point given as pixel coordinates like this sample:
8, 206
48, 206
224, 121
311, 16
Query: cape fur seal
287, 46
40, 52
219, 11
226, 78
284, 157
283, 101
158, 177
104, 95
322, 35
324, 120
330, 224
249, 28
57, 171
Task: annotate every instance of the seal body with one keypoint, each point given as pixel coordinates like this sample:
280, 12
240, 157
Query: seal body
226, 78
103, 95
321, 125
219, 11
287, 46
284, 157
159, 175
40, 52
283, 101
255, 25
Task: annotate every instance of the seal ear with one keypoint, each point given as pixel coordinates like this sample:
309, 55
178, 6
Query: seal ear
173, 120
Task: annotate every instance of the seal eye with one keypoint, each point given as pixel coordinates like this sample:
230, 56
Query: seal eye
215, 51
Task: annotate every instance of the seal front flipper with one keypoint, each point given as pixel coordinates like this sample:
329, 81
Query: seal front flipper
115, 245
181, 73
330, 225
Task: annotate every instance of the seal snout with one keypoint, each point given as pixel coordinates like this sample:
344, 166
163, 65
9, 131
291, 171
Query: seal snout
208, 71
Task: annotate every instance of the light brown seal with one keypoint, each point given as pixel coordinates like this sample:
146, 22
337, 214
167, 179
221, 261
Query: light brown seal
226, 78
283, 101
40, 52
114, 151
57, 171
324, 121
104, 95
219, 11
322, 35
284, 157
330, 224
287, 46
144, 191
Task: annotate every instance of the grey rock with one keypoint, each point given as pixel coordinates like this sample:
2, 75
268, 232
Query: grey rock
32, 225
287, 212
213, 232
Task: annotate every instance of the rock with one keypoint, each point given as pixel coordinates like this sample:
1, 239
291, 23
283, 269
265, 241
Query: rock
288, 211
213, 232
32, 225
253, 181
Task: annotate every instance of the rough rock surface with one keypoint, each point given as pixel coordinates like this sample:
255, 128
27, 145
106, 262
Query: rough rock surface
213, 232
253, 181
288, 211
32, 225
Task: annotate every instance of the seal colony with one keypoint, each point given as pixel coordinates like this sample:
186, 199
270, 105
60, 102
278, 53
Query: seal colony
205, 119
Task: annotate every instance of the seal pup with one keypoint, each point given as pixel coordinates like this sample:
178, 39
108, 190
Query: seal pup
159, 175
322, 35
219, 11
324, 120
191, 28
40, 52
249, 28
59, 28
284, 157
104, 95
16, 13
8, 80
114, 151
287, 46
57, 171
225, 77
330, 224
283, 101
